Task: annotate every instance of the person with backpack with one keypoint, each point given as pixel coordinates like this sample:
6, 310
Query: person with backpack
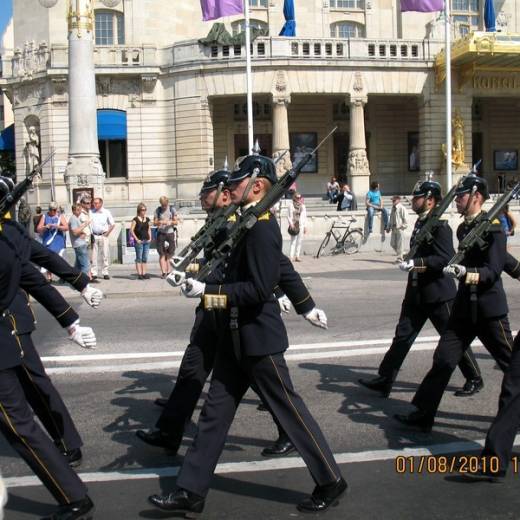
165, 219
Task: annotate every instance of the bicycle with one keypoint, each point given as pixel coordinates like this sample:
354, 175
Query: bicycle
347, 241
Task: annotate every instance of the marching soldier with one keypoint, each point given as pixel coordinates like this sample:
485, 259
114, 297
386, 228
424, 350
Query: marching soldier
479, 310
198, 359
16, 418
250, 352
429, 295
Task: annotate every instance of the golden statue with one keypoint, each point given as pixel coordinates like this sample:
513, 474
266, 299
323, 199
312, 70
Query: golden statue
457, 147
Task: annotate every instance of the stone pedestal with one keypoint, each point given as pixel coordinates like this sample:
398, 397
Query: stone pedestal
358, 167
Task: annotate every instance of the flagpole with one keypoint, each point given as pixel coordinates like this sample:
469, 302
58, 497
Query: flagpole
447, 53
249, 81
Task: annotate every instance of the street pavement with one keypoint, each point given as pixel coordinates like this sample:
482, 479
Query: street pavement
393, 473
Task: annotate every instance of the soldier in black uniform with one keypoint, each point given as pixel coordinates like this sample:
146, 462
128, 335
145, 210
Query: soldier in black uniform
250, 352
429, 295
16, 418
480, 307
198, 359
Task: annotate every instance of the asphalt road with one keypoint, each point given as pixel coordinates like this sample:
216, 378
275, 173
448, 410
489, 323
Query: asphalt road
142, 330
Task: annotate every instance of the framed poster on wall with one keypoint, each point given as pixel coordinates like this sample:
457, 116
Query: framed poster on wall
506, 160
301, 144
414, 162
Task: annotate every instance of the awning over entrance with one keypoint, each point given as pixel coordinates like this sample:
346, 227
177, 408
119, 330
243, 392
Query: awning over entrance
7, 139
482, 52
111, 125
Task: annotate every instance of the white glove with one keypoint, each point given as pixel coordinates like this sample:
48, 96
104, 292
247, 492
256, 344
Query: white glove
317, 317
192, 288
454, 271
285, 304
407, 266
92, 296
176, 278
83, 336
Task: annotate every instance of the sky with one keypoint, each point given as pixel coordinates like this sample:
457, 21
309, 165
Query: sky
6, 10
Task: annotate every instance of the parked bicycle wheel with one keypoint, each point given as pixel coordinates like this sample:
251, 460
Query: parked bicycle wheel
324, 250
353, 242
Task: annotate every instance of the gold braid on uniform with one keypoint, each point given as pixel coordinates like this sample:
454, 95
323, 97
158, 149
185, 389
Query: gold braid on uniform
419, 268
472, 278
215, 301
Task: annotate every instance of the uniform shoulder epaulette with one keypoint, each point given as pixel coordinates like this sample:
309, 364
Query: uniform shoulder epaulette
265, 216
495, 226
232, 218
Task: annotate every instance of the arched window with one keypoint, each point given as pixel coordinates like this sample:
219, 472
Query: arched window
347, 30
110, 28
466, 15
111, 126
240, 26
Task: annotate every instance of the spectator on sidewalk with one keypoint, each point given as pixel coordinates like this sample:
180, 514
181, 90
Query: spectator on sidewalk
36, 220
166, 221
507, 221
52, 228
102, 223
346, 199
141, 232
78, 239
398, 223
374, 202
332, 190
297, 220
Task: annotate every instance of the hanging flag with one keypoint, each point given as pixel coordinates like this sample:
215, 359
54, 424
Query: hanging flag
213, 9
422, 6
289, 28
489, 16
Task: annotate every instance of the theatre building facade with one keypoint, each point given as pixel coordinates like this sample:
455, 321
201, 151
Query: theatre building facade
171, 103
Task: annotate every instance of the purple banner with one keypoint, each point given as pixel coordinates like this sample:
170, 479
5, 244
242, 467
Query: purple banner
213, 9
422, 6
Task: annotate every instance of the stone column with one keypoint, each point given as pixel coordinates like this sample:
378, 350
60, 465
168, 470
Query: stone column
83, 166
358, 167
281, 142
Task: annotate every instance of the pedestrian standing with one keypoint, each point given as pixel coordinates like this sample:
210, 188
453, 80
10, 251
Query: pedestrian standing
374, 202
142, 234
398, 223
52, 228
36, 220
297, 220
78, 239
165, 219
346, 199
332, 190
102, 224
479, 310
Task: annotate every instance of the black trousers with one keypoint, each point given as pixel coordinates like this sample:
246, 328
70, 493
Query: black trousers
196, 366
495, 334
45, 400
411, 321
501, 435
25, 435
230, 381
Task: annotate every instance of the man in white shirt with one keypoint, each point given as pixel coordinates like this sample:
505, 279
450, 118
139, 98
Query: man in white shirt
102, 224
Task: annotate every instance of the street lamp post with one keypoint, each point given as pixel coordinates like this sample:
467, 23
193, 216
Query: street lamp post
83, 166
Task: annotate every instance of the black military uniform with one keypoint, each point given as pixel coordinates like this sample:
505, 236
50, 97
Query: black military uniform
479, 310
429, 295
198, 360
41, 393
252, 274
16, 417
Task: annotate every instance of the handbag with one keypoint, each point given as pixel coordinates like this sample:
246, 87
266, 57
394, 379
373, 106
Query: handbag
293, 231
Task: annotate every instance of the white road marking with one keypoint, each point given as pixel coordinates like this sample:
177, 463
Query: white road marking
266, 465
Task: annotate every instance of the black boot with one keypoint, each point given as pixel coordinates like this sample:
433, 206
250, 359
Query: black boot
161, 439
280, 448
180, 501
73, 456
80, 510
417, 419
471, 387
323, 497
379, 384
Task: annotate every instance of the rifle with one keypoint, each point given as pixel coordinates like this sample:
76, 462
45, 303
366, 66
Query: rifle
476, 237
205, 237
250, 216
10, 199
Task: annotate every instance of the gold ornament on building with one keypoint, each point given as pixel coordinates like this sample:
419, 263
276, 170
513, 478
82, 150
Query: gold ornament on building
80, 16
457, 148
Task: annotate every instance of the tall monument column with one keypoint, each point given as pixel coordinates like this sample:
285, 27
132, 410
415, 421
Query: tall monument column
281, 142
83, 166
358, 167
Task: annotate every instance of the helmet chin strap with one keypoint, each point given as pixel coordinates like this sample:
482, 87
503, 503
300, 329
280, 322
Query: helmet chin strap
423, 206
470, 198
252, 179
217, 195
